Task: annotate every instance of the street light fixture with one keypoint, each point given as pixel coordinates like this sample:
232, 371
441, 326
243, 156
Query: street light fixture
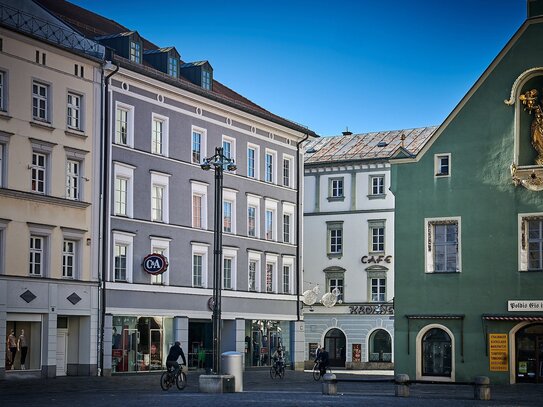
219, 162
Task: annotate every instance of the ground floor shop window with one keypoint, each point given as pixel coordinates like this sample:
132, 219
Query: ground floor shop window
23, 345
262, 338
436, 353
199, 352
380, 346
529, 354
140, 343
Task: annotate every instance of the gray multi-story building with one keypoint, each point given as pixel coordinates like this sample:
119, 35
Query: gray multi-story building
164, 117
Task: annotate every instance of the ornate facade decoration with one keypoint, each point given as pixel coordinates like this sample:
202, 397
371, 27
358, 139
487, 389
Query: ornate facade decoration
372, 309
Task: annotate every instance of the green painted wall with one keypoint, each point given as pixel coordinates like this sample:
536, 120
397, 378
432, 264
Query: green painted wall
481, 142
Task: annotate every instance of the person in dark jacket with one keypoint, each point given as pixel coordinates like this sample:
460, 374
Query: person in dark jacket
173, 355
323, 359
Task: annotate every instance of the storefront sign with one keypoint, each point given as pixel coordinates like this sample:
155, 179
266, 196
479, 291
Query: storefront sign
155, 264
376, 259
525, 305
357, 352
498, 352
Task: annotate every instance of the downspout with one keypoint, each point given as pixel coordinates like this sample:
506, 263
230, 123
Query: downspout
104, 180
299, 219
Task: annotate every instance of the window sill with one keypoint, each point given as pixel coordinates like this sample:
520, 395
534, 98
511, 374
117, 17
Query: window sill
377, 196
42, 125
443, 272
4, 115
442, 175
75, 133
335, 255
335, 198
530, 271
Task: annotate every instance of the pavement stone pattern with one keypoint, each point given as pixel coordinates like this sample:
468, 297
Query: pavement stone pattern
296, 389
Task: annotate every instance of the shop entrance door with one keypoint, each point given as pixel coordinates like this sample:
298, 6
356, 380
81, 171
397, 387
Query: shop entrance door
62, 334
529, 354
334, 343
130, 340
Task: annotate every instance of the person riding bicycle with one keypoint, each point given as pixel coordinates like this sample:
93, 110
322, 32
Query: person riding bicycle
322, 359
173, 355
278, 357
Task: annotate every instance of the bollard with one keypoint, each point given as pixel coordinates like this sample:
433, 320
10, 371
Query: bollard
329, 384
402, 385
482, 388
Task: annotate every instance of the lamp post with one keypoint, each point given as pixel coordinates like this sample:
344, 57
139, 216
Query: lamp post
219, 162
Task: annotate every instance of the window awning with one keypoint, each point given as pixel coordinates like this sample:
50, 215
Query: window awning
534, 318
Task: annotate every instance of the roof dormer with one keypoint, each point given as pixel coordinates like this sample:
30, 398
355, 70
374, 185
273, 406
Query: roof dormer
129, 45
164, 59
200, 73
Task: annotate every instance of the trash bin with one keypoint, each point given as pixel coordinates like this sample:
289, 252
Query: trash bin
232, 364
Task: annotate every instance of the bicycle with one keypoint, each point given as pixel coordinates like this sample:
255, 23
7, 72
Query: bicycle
171, 376
277, 370
317, 372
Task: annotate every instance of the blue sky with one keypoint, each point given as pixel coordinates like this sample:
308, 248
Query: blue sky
368, 65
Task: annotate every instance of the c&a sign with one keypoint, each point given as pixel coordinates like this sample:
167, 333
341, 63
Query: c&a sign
155, 263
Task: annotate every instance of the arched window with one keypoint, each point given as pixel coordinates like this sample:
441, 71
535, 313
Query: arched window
380, 346
436, 353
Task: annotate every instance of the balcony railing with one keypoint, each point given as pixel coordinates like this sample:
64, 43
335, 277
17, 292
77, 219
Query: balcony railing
50, 32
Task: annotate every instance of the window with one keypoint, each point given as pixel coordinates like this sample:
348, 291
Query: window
173, 67
227, 273
254, 271
377, 236
531, 242
2, 149
229, 211
378, 290
229, 262
199, 265
227, 216
269, 277
199, 205
3, 92
74, 111
39, 172
270, 166
229, 147
442, 164
334, 284
159, 197
380, 346
270, 227
287, 171
3, 225
159, 135
198, 145
161, 246
68, 258
436, 353
253, 216
288, 266
253, 166
124, 125
122, 257
157, 279
377, 185
269, 224
124, 176
37, 256
40, 101
335, 238
443, 245
135, 52
206, 79
72, 179
335, 187
288, 223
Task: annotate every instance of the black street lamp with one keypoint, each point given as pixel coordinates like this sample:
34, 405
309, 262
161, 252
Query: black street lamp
219, 162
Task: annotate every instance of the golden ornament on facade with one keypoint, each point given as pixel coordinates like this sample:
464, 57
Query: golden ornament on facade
530, 102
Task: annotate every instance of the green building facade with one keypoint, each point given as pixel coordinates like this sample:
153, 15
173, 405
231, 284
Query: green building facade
469, 229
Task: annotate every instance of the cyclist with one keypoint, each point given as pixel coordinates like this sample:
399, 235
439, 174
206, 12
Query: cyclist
173, 355
278, 357
322, 359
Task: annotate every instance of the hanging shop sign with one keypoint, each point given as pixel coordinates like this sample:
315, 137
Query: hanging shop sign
498, 355
376, 259
357, 352
155, 263
525, 305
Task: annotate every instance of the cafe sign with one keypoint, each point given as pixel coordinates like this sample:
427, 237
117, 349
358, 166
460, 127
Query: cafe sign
155, 263
376, 259
525, 305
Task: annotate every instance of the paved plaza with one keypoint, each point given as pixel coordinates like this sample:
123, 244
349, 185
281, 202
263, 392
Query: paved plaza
296, 389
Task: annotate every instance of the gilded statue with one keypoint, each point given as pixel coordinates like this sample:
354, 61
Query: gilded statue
529, 100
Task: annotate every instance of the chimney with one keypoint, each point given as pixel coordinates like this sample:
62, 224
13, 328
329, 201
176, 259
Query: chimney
535, 8
347, 132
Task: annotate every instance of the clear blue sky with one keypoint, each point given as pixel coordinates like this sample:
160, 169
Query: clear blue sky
370, 65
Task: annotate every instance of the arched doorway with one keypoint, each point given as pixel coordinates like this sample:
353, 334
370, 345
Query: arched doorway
529, 354
335, 345
380, 349
436, 353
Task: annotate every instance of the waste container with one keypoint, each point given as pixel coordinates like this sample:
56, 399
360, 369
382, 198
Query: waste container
232, 364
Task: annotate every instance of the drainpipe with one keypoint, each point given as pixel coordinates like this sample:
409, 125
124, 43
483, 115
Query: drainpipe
104, 203
299, 219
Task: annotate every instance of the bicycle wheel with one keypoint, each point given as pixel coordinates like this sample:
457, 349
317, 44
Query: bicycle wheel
281, 371
316, 373
273, 372
165, 381
181, 380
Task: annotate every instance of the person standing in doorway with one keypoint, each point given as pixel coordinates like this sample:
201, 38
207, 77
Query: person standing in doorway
12, 347
22, 345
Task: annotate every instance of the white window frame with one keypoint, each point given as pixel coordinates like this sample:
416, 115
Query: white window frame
76, 237
173, 66
232, 141
229, 195
254, 201
199, 189
523, 239
271, 259
429, 242
290, 160
257, 258
161, 180
74, 111
3, 226
330, 226
273, 173
42, 232
202, 250
127, 240
256, 149
126, 172
203, 144
378, 280
287, 262
438, 158
207, 79
270, 206
2, 160
289, 209
129, 124
373, 179
3, 91
336, 192
376, 224
37, 169
73, 179
164, 142
231, 254
37, 98
135, 51
164, 246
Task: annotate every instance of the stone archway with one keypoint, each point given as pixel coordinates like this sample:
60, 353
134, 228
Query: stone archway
335, 344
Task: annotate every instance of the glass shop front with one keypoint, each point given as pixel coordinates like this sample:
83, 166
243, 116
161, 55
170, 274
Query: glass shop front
262, 338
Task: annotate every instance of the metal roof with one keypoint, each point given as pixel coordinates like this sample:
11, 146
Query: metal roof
367, 146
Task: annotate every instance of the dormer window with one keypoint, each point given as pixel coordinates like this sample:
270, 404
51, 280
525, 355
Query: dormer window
135, 52
173, 67
206, 79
